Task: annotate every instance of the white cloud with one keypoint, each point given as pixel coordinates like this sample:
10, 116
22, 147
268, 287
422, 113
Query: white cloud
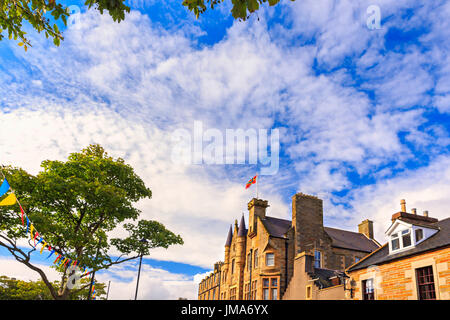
127, 86
425, 189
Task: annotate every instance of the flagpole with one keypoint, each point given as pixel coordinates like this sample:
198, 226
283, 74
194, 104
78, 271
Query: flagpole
257, 179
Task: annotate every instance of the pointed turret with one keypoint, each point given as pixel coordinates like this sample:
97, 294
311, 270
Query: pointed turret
230, 236
242, 231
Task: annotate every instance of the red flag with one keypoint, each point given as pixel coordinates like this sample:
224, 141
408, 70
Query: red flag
21, 210
250, 182
35, 236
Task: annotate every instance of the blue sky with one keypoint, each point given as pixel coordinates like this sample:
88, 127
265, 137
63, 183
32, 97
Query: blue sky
363, 114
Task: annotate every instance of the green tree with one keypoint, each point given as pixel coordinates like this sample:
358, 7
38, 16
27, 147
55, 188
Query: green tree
13, 13
73, 205
13, 289
241, 8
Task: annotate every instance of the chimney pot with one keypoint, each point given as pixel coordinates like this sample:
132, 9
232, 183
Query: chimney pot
425, 213
403, 205
414, 211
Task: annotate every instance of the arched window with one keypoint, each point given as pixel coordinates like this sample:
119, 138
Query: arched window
255, 263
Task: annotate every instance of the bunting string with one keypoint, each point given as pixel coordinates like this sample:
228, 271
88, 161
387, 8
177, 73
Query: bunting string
34, 235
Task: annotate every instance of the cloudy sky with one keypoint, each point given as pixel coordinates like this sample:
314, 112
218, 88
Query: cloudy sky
363, 115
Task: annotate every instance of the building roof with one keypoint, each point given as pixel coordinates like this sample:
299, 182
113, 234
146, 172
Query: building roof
323, 276
380, 256
242, 231
341, 238
229, 237
431, 225
351, 240
276, 227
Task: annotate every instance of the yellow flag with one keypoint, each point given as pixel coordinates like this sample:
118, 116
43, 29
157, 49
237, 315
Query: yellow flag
9, 200
43, 246
31, 232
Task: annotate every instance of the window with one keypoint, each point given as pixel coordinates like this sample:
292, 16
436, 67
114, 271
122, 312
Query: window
270, 259
419, 234
309, 292
254, 287
395, 242
247, 292
368, 290
270, 288
425, 283
357, 259
232, 266
317, 259
255, 263
249, 262
233, 294
406, 238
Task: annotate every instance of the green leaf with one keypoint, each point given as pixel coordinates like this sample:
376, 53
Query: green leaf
253, 5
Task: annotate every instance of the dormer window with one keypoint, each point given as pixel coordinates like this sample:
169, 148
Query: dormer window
401, 240
409, 230
395, 242
406, 238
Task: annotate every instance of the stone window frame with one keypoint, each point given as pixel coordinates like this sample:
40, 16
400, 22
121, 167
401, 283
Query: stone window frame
254, 290
255, 259
309, 289
270, 286
321, 258
411, 273
265, 258
362, 278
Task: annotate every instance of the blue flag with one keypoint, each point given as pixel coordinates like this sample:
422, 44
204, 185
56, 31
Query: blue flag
4, 187
53, 251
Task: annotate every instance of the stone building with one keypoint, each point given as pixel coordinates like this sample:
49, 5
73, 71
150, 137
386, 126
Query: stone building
271, 258
412, 265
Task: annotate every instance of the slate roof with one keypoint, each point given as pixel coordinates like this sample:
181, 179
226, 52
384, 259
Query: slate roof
341, 238
242, 231
324, 276
419, 223
351, 240
229, 237
276, 227
438, 240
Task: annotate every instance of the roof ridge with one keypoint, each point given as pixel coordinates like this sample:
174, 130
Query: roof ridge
278, 218
343, 230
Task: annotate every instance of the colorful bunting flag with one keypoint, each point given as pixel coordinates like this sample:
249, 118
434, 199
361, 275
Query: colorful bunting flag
4, 187
43, 246
57, 258
21, 210
31, 231
9, 200
51, 253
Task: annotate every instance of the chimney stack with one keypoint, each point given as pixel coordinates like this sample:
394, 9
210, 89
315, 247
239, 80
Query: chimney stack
366, 228
425, 213
403, 205
414, 211
256, 207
